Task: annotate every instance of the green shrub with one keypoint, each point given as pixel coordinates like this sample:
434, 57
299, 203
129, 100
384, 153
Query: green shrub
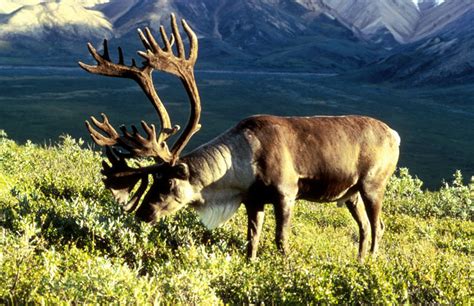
404, 195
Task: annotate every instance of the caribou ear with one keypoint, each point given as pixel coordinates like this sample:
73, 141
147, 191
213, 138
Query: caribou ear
181, 171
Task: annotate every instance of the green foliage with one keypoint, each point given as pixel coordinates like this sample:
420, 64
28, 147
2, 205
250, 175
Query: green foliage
63, 239
404, 195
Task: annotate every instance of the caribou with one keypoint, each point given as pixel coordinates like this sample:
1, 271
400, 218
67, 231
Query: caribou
264, 159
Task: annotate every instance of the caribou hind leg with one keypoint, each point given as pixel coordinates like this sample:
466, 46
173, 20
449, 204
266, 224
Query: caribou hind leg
373, 205
357, 209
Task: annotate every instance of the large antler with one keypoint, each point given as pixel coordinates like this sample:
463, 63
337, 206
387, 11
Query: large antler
135, 144
163, 59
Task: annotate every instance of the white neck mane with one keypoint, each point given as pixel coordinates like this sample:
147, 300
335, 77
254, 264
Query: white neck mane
222, 171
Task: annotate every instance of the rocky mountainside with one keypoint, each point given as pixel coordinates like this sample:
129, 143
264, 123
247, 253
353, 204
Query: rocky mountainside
309, 35
443, 18
405, 21
447, 57
379, 21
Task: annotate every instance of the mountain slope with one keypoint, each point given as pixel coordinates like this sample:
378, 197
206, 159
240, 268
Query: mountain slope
446, 57
253, 34
371, 19
404, 20
437, 18
50, 31
35, 21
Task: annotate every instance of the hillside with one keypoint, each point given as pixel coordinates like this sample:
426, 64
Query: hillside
446, 58
63, 240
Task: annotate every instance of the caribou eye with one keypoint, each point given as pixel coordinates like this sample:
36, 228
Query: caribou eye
168, 185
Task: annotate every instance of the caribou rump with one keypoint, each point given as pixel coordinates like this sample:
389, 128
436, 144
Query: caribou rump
262, 160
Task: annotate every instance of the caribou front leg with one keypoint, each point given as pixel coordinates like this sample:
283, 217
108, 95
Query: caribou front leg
256, 214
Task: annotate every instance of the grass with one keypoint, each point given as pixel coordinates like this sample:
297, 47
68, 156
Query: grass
63, 240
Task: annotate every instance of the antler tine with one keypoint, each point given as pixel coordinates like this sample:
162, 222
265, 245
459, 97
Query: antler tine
105, 126
106, 51
193, 42
120, 52
133, 203
144, 40
177, 35
165, 39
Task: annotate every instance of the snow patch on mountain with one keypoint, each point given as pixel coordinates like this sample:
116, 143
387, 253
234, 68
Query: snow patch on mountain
426, 4
67, 17
88, 3
9, 6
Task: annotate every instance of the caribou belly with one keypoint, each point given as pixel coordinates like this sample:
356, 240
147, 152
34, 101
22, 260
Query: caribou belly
325, 191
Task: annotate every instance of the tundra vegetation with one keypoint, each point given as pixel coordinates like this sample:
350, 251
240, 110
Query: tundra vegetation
64, 239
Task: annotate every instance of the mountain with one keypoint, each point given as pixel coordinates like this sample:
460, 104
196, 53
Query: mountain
9, 6
383, 21
67, 17
393, 20
426, 37
240, 33
437, 18
50, 30
270, 34
444, 58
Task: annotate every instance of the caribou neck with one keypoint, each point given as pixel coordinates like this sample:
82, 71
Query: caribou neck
225, 161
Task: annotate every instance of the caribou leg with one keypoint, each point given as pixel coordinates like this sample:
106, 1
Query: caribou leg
256, 214
283, 212
373, 206
357, 210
